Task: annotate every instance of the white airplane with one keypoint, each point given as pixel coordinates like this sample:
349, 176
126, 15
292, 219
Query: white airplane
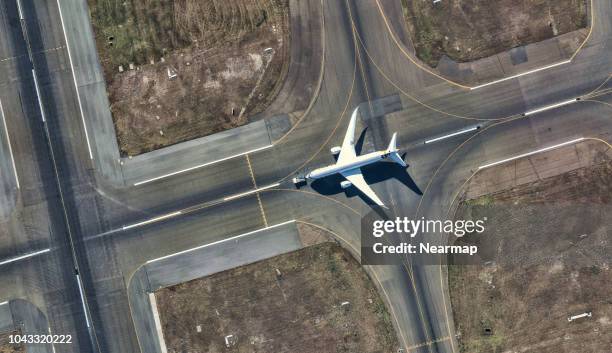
349, 164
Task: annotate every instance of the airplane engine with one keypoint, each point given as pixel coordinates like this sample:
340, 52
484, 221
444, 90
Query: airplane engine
345, 184
336, 150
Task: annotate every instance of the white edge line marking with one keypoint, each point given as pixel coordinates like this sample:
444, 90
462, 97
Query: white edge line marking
250, 192
221, 241
52, 344
20, 10
451, 135
552, 106
76, 87
81, 292
201, 165
152, 220
521, 74
42, 111
8, 142
545, 149
158, 327
4, 303
22, 257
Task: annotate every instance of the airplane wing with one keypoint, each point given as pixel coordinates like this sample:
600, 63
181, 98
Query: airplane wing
356, 178
348, 145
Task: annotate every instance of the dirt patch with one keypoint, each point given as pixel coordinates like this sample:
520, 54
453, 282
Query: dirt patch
551, 246
298, 308
467, 30
190, 68
7, 347
311, 235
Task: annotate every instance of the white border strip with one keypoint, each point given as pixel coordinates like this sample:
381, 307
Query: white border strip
200, 165
451, 135
22, 257
42, 111
250, 192
531, 153
76, 87
158, 327
152, 220
82, 293
8, 142
552, 106
521, 74
20, 10
4, 303
221, 241
52, 344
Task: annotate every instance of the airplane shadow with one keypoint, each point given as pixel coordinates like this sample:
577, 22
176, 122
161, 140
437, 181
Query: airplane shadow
373, 174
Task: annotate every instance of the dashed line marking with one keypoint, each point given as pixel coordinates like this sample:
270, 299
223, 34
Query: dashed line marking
251, 170
428, 343
250, 192
152, 220
522, 74
23, 257
531, 153
261, 209
200, 166
221, 241
465, 131
8, 142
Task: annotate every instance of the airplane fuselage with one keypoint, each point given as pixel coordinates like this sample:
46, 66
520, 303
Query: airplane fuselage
357, 162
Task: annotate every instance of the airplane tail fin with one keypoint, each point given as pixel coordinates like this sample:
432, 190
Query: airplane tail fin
393, 143
393, 151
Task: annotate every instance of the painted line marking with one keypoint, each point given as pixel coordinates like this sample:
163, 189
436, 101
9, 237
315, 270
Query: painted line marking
42, 111
261, 209
251, 171
532, 153
158, 326
20, 10
52, 344
200, 166
82, 293
428, 343
152, 220
250, 192
8, 142
184, 211
521, 74
221, 241
552, 106
76, 87
22, 257
453, 134
4, 303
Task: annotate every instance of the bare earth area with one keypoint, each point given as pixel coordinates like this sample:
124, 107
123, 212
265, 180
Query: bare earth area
467, 30
317, 299
551, 256
7, 347
176, 70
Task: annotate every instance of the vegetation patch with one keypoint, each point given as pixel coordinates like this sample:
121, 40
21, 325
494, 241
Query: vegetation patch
550, 248
467, 30
318, 299
181, 69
